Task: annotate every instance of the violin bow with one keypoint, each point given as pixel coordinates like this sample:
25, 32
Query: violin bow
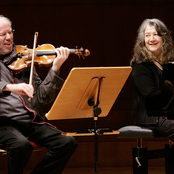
33, 56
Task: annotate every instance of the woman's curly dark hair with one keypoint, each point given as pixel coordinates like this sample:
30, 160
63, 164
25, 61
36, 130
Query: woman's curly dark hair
142, 54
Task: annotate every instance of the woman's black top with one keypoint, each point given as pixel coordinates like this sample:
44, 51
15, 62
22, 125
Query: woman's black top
149, 92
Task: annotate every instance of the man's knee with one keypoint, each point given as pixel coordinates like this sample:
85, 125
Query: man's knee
72, 142
68, 142
22, 145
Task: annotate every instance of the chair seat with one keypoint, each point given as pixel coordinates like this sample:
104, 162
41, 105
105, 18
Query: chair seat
135, 132
36, 146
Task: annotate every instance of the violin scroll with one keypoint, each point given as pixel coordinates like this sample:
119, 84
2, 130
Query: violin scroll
80, 52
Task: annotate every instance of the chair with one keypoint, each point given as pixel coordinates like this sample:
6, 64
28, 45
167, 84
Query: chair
142, 154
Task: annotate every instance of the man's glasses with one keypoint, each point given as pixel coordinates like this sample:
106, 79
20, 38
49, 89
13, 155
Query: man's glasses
5, 34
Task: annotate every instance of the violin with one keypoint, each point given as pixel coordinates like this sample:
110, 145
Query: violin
44, 56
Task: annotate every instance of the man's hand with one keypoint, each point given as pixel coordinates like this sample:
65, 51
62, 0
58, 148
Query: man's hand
62, 55
20, 88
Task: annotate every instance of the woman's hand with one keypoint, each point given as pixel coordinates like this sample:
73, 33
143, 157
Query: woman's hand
169, 87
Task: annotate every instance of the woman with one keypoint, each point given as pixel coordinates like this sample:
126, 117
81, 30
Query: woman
153, 49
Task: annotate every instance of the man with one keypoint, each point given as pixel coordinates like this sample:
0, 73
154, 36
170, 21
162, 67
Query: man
22, 120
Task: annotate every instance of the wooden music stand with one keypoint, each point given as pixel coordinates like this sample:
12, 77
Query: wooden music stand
89, 92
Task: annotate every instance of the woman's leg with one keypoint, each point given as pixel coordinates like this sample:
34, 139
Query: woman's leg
166, 128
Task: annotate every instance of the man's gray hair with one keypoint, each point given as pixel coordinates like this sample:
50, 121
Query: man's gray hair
6, 19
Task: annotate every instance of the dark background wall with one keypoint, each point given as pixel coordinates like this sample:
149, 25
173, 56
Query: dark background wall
108, 29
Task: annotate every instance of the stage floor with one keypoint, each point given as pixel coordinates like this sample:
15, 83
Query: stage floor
114, 170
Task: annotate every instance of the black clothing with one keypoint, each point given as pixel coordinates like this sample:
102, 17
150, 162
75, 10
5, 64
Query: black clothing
149, 92
60, 148
22, 120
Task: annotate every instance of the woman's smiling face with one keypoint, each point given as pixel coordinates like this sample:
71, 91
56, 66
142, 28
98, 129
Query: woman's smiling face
153, 41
